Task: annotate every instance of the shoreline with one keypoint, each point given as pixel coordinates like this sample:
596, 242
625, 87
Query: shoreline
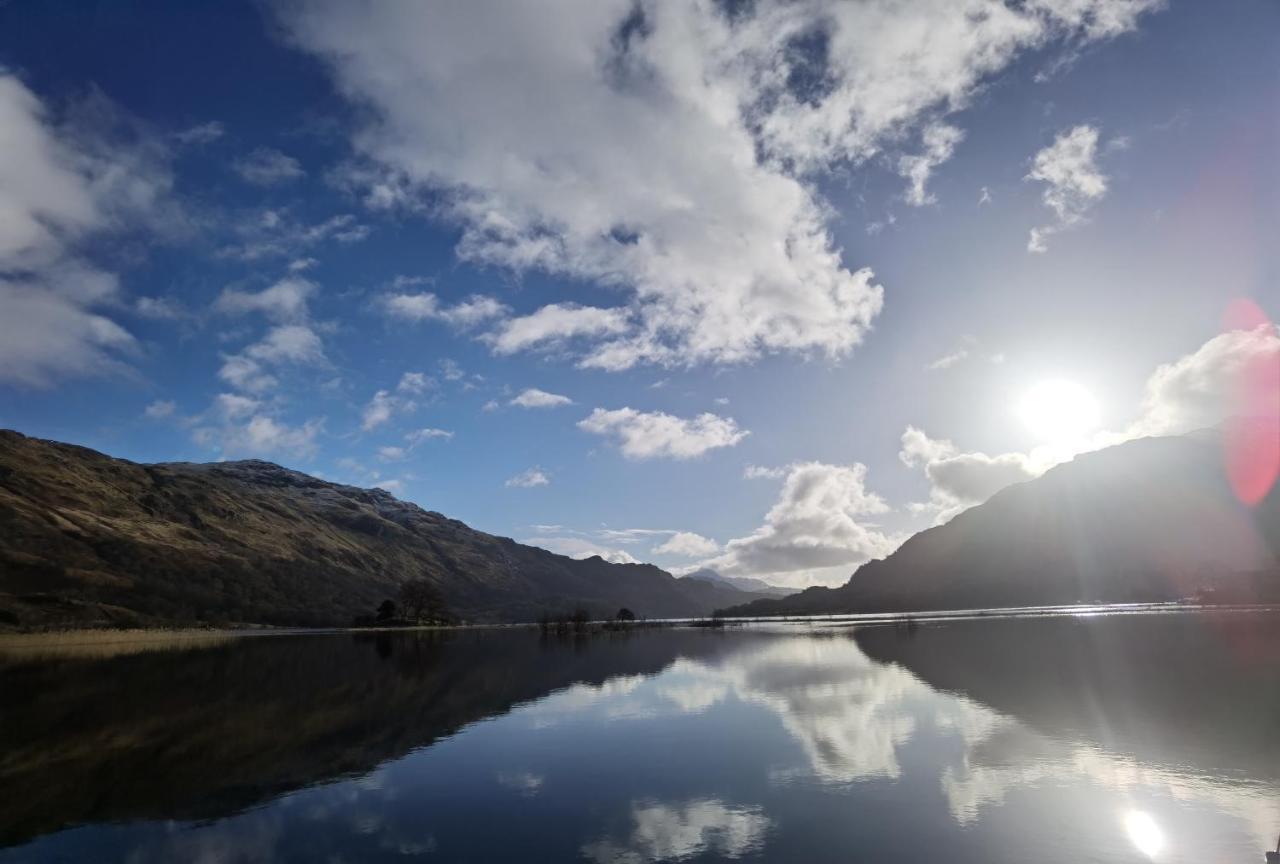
20, 642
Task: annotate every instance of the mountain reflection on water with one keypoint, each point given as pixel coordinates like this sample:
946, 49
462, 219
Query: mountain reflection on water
1110, 738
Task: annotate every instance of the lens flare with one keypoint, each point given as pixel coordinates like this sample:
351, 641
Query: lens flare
1252, 431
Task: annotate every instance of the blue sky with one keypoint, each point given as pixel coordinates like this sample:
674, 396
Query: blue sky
793, 269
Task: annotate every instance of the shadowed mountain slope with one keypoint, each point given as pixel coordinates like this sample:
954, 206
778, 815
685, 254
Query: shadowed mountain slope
1146, 521
87, 539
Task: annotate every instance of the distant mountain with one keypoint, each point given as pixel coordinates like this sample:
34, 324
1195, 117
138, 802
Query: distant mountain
1149, 520
86, 539
742, 583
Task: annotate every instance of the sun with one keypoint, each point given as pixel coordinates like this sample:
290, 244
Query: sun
1059, 411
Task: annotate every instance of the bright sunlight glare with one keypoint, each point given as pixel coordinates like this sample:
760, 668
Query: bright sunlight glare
1144, 833
1058, 411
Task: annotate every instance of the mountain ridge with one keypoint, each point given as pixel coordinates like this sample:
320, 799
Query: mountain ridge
1148, 520
88, 539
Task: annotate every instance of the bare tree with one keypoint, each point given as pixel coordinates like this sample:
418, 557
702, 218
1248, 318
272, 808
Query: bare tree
421, 599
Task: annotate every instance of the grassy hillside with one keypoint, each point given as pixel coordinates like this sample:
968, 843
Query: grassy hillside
86, 539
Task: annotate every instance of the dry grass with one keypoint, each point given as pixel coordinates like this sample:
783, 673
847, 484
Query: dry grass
101, 644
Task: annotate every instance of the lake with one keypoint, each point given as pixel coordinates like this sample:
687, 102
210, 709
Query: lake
1128, 738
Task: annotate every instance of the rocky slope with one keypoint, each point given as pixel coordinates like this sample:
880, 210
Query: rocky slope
86, 539
1149, 520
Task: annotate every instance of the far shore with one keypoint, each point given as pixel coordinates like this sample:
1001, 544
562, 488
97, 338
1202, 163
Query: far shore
102, 642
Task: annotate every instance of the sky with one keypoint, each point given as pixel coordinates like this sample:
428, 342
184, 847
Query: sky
757, 286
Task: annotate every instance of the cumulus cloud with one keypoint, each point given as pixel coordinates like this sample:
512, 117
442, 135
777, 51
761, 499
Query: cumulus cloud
262, 436
554, 324
288, 343
285, 300
292, 340
426, 306
415, 382
817, 532
1201, 389
1073, 182
535, 398
763, 472
529, 478
655, 435
386, 403
64, 181
160, 409
960, 480
266, 166
687, 544
939, 142
378, 411
668, 150
677, 831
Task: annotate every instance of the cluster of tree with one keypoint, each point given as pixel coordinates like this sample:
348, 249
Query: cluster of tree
420, 602
580, 621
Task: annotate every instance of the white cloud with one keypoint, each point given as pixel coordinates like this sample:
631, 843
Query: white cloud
580, 547
275, 234
288, 343
668, 151
529, 478
688, 544
392, 454
960, 480
416, 383
675, 832
817, 531
378, 411
535, 398
762, 472
552, 325
233, 406
1204, 388
385, 403
655, 435
285, 300
418, 436
450, 370
939, 142
204, 133
426, 306
160, 409
1073, 181
266, 166
63, 182
159, 308
262, 436
946, 361
245, 374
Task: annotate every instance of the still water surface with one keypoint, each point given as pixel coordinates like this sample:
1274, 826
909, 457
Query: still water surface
1129, 738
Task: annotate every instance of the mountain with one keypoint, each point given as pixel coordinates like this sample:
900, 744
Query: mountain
742, 583
86, 539
1148, 520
